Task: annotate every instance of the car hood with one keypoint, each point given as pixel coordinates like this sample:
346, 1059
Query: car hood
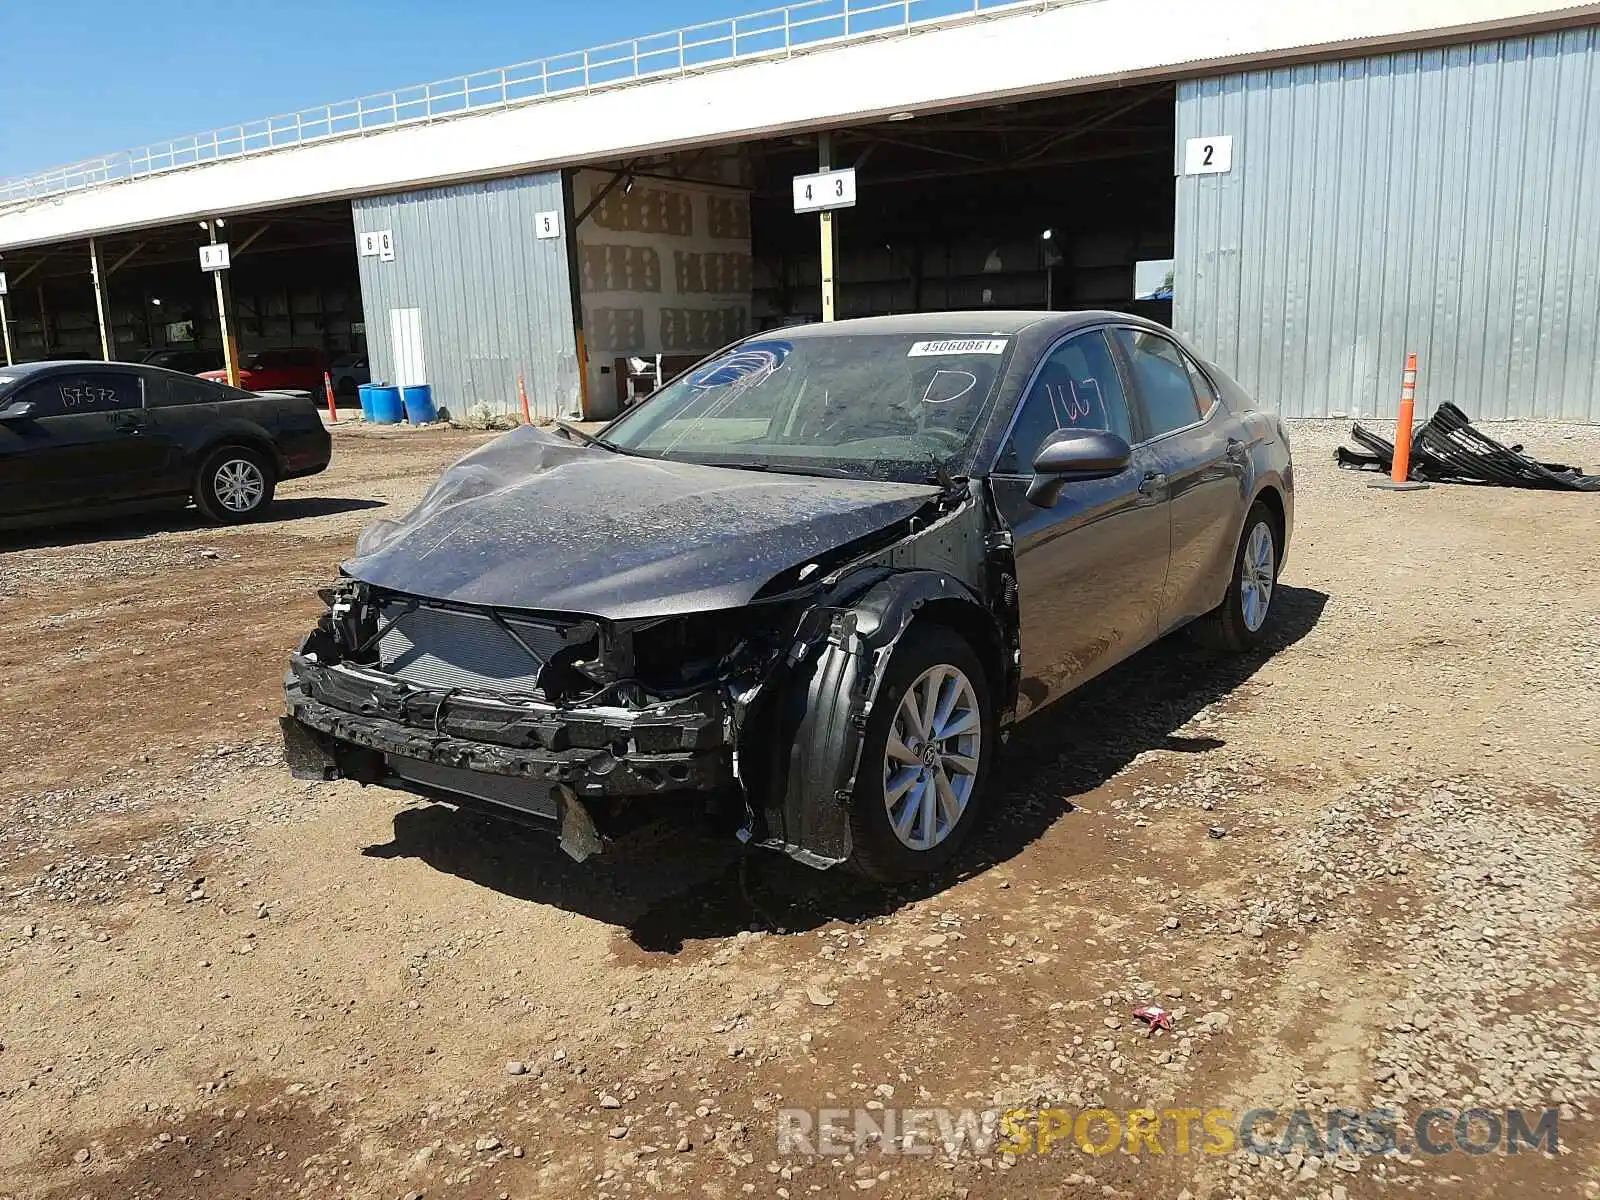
533, 521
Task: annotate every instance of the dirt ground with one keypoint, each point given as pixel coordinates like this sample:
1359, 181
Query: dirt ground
1359, 870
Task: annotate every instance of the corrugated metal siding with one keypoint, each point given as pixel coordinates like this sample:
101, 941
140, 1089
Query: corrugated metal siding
1443, 201
495, 299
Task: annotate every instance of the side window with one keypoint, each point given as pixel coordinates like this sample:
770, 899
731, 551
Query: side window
1162, 376
41, 394
1077, 388
91, 392
178, 392
1203, 387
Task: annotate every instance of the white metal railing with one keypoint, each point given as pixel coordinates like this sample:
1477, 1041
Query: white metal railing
775, 32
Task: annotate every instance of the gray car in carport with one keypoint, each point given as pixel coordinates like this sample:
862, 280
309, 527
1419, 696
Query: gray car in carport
809, 582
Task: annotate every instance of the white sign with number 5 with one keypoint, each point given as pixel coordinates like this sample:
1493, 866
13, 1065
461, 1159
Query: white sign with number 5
830, 189
547, 224
1208, 155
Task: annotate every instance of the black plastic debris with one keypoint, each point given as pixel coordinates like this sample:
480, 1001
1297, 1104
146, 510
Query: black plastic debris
1448, 448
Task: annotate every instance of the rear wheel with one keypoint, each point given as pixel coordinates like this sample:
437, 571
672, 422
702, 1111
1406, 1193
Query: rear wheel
925, 758
1236, 624
234, 484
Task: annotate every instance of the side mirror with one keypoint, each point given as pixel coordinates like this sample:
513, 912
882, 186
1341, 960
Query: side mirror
1072, 456
22, 410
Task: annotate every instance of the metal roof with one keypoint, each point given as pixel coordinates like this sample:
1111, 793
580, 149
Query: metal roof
907, 64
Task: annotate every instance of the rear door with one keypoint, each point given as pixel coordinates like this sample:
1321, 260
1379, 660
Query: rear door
1202, 465
1090, 569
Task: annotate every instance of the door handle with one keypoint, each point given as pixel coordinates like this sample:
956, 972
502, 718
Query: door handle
1153, 484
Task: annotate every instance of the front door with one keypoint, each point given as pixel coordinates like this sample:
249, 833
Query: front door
82, 445
1090, 569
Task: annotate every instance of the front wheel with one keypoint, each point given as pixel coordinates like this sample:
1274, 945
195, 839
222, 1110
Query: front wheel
925, 758
234, 484
1236, 624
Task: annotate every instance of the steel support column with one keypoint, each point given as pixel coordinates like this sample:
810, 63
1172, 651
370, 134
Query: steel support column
101, 283
830, 233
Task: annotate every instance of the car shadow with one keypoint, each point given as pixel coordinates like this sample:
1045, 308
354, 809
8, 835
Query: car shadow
671, 886
81, 531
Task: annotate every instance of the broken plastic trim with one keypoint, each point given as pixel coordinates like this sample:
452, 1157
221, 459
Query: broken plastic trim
834, 671
1448, 448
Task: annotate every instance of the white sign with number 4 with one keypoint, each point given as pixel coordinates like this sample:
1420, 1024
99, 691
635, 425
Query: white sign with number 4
1208, 155
830, 189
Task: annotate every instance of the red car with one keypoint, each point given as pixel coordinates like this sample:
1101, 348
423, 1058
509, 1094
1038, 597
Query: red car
279, 370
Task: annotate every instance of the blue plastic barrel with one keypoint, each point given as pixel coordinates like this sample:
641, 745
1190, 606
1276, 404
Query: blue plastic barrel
419, 404
365, 392
386, 405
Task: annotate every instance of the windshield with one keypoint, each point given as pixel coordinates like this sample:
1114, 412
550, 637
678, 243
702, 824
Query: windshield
870, 406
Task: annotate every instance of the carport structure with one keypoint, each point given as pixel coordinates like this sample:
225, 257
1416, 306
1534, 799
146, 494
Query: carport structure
549, 221
125, 294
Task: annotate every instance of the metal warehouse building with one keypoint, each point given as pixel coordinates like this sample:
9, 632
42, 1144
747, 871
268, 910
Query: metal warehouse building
1309, 192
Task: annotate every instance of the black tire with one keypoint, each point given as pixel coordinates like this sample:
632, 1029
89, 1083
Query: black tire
221, 486
877, 852
1227, 627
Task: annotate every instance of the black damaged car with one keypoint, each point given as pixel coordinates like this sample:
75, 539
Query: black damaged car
92, 439
807, 585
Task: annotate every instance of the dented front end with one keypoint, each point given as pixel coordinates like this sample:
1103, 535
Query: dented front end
591, 725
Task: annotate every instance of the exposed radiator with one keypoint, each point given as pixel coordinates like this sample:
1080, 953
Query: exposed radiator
448, 648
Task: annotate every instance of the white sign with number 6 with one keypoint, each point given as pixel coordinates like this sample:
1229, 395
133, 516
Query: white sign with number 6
829, 189
1208, 155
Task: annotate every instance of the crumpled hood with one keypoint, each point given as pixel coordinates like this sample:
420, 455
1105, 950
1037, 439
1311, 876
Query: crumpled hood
533, 521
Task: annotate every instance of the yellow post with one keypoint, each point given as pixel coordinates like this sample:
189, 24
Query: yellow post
830, 233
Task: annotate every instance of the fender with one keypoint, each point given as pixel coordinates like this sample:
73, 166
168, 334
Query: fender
234, 430
823, 708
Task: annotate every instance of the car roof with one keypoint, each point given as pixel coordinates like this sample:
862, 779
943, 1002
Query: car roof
59, 364
969, 323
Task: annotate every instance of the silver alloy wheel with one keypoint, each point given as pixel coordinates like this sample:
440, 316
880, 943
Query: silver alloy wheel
931, 762
239, 485
1257, 574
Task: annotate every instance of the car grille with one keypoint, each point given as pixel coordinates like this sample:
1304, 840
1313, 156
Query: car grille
468, 651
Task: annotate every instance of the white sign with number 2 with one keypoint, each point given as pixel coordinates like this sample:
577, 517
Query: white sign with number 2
1208, 155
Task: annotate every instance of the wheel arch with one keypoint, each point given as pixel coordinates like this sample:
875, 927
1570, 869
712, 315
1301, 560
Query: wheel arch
1268, 494
816, 721
241, 433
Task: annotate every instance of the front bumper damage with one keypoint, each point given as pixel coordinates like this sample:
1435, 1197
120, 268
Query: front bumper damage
773, 740
574, 769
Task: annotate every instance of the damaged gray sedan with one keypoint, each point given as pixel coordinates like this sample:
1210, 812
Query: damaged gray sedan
804, 588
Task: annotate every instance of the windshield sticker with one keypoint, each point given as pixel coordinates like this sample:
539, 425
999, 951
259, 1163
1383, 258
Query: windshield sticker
946, 386
748, 364
958, 346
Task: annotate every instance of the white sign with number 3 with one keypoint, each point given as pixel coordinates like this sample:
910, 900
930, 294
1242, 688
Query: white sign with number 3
1208, 155
830, 189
